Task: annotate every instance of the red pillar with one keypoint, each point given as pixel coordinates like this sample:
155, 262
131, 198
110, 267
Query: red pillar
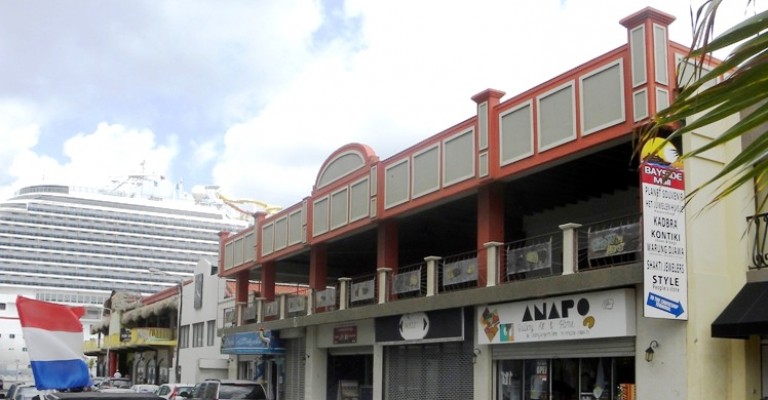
223, 236
242, 286
490, 225
268, 275
318, 267
386, 245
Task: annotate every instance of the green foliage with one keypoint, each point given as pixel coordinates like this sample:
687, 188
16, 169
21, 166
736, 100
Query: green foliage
739, 84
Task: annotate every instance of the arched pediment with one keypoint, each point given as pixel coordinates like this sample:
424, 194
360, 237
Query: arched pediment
343, 162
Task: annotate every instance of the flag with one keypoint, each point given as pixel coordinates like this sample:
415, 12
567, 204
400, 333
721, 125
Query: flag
54, 337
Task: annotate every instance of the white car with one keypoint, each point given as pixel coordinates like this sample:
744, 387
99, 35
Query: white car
173, 391
143, 388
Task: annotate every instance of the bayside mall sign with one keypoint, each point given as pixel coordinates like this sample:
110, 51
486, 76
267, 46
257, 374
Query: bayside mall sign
664, 251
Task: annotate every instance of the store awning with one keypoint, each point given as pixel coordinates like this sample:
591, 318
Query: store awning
745, 315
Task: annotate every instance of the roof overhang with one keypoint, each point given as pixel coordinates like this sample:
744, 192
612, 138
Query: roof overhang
745, 315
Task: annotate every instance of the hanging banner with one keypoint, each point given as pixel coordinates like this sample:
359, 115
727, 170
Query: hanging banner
666, 273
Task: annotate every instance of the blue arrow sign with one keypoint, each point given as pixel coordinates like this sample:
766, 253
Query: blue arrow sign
664, 304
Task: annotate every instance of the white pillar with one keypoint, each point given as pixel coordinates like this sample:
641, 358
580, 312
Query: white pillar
315, 367
383, 278
282, 306
344, 293
378, 371
432, 274
570, 247
260, 309
492, 263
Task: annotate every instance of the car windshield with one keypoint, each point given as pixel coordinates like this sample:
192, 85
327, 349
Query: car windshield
244, 391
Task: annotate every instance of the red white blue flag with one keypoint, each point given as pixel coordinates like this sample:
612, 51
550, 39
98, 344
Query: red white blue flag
54, 337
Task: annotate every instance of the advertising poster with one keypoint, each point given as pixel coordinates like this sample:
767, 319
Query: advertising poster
664, 259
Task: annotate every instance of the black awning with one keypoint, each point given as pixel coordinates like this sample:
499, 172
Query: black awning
746, 314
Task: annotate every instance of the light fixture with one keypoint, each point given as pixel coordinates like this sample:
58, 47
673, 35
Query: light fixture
475, 353
650, 350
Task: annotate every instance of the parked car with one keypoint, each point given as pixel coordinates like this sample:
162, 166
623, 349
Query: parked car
216, 389
118, 383
174, 391
13, 388
26, 392
144, 388
100, 396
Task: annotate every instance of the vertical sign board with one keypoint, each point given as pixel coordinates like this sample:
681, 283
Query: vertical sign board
666, 276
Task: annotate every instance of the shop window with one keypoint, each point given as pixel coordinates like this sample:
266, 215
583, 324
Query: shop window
603, 378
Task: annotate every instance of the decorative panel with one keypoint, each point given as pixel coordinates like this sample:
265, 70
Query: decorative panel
320, 216
249, 250
660, 54
238, 251
426, 171
294, 227
358, 200
374, 180
396, 184
640, 101
459, 158
482, 125
662, 99
637, 46
557, 119
483, 164
267, 239
281, 233
339, 208
342, 166
602, 98
516, 133
229, 255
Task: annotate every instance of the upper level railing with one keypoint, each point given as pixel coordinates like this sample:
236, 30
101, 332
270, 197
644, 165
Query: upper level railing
575, 249
758, 234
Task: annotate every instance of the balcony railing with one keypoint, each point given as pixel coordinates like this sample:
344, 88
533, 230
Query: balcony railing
576, 248
758, 233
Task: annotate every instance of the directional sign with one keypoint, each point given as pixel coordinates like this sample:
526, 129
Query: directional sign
670, 306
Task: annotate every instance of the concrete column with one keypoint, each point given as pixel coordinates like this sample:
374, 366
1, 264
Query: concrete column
310, 301
283, 306
344, 284
260, 309
492, 254
383, 282
570, 247
378, 371
432, 265
315, 367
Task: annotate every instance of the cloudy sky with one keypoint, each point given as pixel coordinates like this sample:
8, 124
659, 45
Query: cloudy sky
253, 96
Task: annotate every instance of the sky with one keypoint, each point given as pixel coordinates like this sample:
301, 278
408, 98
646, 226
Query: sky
253, 96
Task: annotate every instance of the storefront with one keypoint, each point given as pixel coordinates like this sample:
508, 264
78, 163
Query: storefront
427, 355
261, 357
350, 359
575, 347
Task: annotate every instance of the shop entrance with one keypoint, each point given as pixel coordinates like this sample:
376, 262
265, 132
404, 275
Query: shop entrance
350, 377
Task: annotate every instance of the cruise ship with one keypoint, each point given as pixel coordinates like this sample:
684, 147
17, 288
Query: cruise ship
76, 245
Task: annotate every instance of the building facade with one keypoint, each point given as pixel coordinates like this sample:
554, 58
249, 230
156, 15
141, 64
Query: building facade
524, 253
75, 246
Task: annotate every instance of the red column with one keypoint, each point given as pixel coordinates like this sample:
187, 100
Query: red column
268, 275
318, 267
386, 245
223, 236
490, 225
242, 286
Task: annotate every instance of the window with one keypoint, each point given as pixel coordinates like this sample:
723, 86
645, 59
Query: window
197, 334
2, 306
184, 337
12, 336
567, 378
211, 334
